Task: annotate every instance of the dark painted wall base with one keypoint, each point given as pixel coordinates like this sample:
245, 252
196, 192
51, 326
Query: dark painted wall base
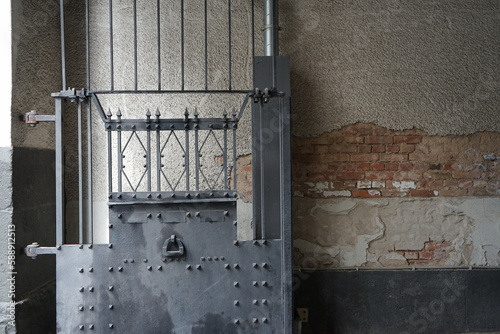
399, 302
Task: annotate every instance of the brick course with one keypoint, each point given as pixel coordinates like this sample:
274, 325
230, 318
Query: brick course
435, 165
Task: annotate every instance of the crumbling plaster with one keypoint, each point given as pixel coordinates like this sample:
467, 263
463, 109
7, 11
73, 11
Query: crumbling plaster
374, 233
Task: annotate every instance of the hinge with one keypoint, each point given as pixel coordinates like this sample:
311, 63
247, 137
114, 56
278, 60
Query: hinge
33, 118
34, 250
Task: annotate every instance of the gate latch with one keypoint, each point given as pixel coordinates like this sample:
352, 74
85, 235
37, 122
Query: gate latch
34, 250
264, 95
173, 247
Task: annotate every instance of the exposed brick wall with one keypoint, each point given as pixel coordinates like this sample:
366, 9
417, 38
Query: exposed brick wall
433, 253
365, 160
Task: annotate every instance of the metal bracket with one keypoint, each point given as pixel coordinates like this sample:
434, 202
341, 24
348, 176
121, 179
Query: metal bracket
72, 94
264, 95
303, 314
33, 118
34, 250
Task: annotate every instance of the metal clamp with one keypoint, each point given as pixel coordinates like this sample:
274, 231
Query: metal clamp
33, 118
262, 95
34, 250
171, 242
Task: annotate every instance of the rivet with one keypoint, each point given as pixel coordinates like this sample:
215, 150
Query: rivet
255, 265
235, 242
158, 215
91, 327
236, 303
264, 283
198, 267
80, 308
80, 246
236, 284
120, 216
81, 289
209, 258
91, 307
145, 260
264, 242
111, 307
111, 326
226, 195
236, 322
226, 213
110, 225
255, 320
150, 268
255, 302
131, 260
81, 327
264, 265
264, 301
197, 195
120, 195
90, 246
110, 269
125, 261
160, 268
110, 246
164, 259
149, 215
236, 266
227, 266
188, 214
173, 195
264, 320
216, 258
149, 195
235, 223
197, 214
91, 289
255, 242
222, 258
188, 267
202, 258
110, 288
255, 283
188, 195
58, 247
120, 269
80, 270
134, 196
110, 196
158, 196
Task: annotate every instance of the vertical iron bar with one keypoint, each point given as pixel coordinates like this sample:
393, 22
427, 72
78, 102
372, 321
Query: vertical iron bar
148, 158
158, 162
182, 43
110, 162
253, 38
206, 45
230, 46
120, 160
59, 173
197, 160
186, 159
234, 156
225, 158
111, 66
87, 44
158, 26
135, 45
90, 204
63, 45
80, 175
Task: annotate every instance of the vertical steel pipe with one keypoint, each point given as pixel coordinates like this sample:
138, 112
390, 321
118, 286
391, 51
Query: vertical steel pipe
230, 42
182, 44
111, 55
80, 174
158, 27
135, 46
63, 45
87, 44
90, 204
271, 42
59, 173
206, 45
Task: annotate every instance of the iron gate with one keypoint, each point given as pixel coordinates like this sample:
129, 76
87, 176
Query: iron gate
173, 263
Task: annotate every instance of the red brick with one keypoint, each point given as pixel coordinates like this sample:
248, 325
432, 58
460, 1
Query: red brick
351, 176
320, 149
378, 148
378, 140
452, 192
364, 157
337, 184
449, 183
393, 193
392, 148
435, 184
421, 166
406, 166
447, 166
379, 175
354, 140
366, 193
392, 166
473, 174
351, 166
364, 148
407, 139
350, 184
378, 166
435, 245
426, 255
343, 148
393, 157
333, 167
437, 175
421, 193
407, 148
465, 183
307, 149
363, 166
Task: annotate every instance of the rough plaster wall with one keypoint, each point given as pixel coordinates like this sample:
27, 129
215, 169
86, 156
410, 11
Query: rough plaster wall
396, 232
432, 65
36, 69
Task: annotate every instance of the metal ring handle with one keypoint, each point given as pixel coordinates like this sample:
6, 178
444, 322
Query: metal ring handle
173, 240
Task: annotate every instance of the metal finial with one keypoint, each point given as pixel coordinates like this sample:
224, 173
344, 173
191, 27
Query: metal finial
224, 113
119, 113
109, 114
186, 113
157, 114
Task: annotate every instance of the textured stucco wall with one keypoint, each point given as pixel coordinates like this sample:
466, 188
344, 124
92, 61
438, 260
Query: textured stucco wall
432, 65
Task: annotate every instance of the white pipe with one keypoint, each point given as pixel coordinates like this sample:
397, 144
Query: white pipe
271, 42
